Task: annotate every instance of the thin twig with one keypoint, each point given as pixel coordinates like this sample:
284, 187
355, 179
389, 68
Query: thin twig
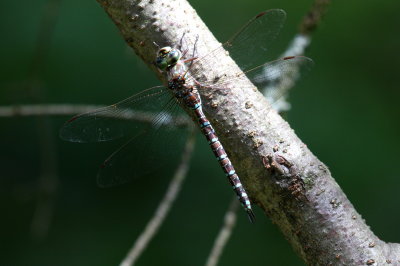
48, 180
314, 16
71, 109
45, 109
224, 233
278, 93
165, 204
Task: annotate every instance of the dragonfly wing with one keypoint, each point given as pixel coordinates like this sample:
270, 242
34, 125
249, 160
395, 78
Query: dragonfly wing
275, 77
147, 152
249, 46
146, 123
116, 120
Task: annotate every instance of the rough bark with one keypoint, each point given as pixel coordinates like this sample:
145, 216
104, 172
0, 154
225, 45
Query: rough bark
280, 173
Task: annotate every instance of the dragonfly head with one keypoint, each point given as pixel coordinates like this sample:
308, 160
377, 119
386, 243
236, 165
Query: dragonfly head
167, 57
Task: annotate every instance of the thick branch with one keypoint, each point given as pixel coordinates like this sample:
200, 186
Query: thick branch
282, 176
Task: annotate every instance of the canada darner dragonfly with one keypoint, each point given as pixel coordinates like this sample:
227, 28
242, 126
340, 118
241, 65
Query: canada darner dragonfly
105, 124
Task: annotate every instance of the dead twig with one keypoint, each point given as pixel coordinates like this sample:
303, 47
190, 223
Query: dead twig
165, 204
224, 233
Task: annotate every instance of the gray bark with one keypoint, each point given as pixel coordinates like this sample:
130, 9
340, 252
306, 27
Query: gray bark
282, 176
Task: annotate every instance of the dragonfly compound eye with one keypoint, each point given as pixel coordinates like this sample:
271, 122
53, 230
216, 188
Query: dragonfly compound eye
167, 57
161, 60
173, 57
161, 63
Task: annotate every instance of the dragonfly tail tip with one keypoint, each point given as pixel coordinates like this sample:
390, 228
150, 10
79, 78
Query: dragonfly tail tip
251, 216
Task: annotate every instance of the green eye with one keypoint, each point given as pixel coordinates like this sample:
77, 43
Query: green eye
172, 60
167, 57
173, 56
162, 64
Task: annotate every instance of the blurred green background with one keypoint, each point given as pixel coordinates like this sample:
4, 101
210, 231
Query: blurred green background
345, 110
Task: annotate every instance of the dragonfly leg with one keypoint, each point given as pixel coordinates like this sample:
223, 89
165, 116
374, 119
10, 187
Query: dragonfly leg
180, 46
195, 46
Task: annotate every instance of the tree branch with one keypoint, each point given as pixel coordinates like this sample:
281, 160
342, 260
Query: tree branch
73, 109
49, 179
278, 94
45, 109
224, 233
165, 204
280, 173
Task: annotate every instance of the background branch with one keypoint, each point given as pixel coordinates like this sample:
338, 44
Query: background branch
282, 176
74, 109
224, 233
165, 204
45, 109
47, 184
278, 93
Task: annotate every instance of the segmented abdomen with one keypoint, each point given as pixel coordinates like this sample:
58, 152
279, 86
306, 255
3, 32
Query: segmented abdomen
194, 102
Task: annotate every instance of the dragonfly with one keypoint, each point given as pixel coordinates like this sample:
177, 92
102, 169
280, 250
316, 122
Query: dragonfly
248, 45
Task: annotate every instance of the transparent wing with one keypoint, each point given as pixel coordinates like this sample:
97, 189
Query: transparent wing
147, 124
117, 120
151, 151
249, 46
275, 76
287, 69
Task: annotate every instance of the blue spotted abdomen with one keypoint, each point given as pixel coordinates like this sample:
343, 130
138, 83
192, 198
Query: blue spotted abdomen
193, 101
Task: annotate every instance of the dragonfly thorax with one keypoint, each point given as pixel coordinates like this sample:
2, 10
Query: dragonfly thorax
178, 86
176, 83
167, 57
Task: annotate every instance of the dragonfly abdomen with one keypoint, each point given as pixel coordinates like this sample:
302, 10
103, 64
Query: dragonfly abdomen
194, 103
